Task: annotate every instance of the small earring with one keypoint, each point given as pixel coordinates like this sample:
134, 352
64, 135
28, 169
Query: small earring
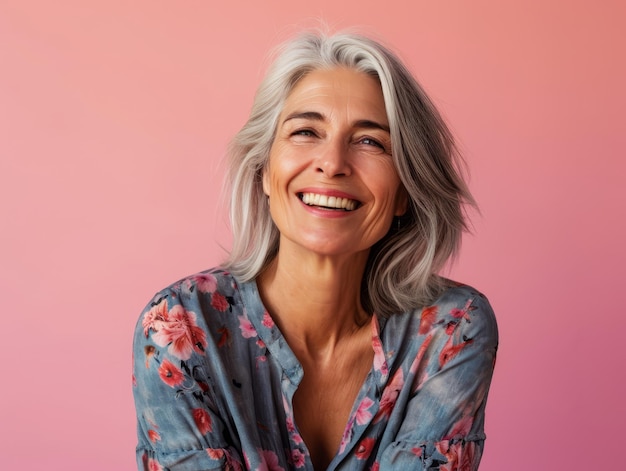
398, 224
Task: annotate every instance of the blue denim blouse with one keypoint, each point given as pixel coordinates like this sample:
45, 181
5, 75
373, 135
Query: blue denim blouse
214, 381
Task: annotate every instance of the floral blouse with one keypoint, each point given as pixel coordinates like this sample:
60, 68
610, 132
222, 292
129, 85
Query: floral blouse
214, 381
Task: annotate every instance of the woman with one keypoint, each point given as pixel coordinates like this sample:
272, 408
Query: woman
327, 340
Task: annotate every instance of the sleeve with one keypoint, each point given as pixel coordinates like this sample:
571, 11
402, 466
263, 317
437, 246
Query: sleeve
178, 425
443, 424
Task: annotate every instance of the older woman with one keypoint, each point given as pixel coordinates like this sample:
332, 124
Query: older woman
326, 340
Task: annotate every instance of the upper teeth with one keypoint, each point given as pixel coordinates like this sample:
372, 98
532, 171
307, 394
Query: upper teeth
315, 199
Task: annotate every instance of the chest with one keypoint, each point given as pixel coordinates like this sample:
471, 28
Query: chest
324, 400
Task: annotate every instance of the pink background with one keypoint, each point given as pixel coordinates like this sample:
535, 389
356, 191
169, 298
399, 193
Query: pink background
114, 117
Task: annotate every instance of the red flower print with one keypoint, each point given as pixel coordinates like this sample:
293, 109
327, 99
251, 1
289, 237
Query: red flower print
153, 435
460, 455
390, 395
224, 336
203, 420
462, 313
449, 351
429, 314
375, 466
153, 465
297, 457
215, 453
170, 375
181, 333
247, 330
417, 451
219, 302
205, 282
365, 448
267, 320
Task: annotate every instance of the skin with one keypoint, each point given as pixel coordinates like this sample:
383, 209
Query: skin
332, 139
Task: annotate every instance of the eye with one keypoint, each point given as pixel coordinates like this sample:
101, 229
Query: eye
304, 133
373, 145
371, 142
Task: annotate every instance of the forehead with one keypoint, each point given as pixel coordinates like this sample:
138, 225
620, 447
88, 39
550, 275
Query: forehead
338, 89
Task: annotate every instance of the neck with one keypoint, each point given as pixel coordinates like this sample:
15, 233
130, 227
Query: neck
315, 300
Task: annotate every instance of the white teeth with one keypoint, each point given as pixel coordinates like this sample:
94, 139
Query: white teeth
315, 199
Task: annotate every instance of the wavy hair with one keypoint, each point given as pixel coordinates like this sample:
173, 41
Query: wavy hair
402, 270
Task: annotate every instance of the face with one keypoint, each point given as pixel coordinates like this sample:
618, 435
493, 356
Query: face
331, 182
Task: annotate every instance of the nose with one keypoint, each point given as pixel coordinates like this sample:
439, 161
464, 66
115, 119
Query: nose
333, 160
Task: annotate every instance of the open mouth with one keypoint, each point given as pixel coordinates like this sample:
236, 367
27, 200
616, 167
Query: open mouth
333, 203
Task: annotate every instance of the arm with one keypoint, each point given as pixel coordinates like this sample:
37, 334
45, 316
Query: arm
450, 377
178, 426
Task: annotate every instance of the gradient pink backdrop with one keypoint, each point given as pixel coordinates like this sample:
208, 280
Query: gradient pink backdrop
114, 117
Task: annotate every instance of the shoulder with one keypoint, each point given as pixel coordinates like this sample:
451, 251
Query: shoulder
460, 311
208, 282
197, 298
462, 306
211, 290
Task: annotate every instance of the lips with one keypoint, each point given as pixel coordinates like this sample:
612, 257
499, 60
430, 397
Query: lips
329, 202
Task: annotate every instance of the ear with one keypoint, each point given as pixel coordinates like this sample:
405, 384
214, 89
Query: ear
266, 181
402, 201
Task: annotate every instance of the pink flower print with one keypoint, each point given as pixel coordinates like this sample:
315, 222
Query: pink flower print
170, 375
205, 282
297, 457
449, 351
153, 435
429, 314
290, 426
181, 333
390, 395
346, 437
380, 362
365, 448
153, 465
267, 320
420, 376
219, 302
363, 415
153, 318
269, 461
203, 420
247, 330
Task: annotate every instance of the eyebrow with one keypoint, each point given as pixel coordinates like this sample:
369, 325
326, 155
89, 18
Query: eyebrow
315, 116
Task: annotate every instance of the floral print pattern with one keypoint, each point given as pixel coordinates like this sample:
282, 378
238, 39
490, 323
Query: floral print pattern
214, 381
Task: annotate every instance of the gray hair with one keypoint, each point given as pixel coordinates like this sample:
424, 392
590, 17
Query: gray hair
401, 273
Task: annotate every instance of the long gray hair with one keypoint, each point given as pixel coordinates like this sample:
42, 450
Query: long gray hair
401, 273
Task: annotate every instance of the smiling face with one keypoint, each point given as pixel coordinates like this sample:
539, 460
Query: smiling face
331, 180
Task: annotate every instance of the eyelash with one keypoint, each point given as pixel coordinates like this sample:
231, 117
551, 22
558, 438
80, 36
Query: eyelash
368, 141
374, 142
